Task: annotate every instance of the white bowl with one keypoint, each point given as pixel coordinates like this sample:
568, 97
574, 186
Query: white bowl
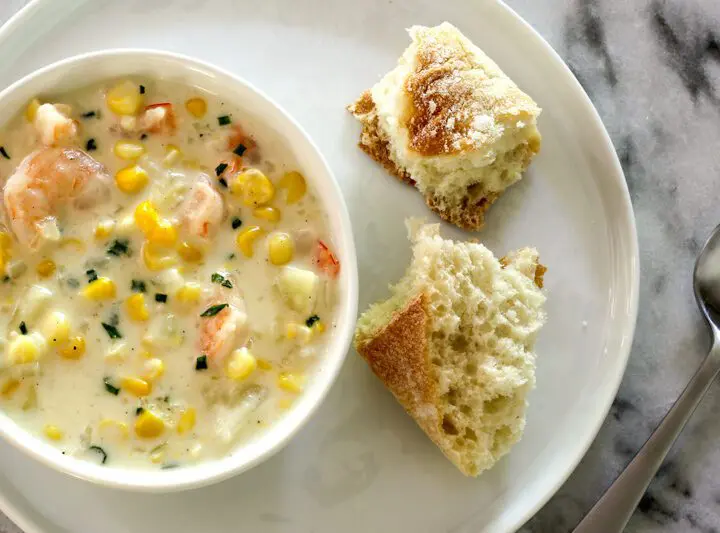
95, 67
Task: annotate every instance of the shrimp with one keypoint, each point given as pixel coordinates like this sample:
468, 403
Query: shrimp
46, 181
203, 209
226, 329
54, 125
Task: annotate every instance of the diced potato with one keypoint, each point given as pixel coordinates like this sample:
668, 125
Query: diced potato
34, 301
298, 288
113, 430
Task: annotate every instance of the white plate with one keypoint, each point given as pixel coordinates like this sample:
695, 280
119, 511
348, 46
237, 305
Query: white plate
361, 464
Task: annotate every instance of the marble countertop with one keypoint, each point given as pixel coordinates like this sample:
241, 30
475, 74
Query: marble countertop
652, 68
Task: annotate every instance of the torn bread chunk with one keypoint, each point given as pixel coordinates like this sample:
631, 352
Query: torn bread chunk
450, 122
454, 344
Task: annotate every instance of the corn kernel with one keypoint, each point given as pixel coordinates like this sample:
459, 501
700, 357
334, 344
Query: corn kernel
187, 421
296, 186
241, 364
271, 214
112, 430
154, 259
146, 217
56, 328
53, 432
291, 330
124, 99
74, 244
132, 179
100, 289
45, 268
137, 308
154, 369
190, 252
299, 332
104, 229
280, 248
148, 425
172, 155
74, 348
163, 234
290, 382
31, 110
319, 327
197, 107
26, 349
285, 403
254, 187
189, 294
128, 150
9, 387
136, 386
264, 364
246, 239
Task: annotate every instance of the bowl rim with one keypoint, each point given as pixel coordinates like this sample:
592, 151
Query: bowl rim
279, 435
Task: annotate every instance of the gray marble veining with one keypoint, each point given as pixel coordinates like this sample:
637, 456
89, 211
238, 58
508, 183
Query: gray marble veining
652, 68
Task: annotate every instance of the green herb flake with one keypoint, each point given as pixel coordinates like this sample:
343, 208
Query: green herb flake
139, 411
310, 322
217, 278
223, 183
201, 363
161, 298
220, 169
102, 452
91, 145
120, 247
23, 328
213, 310
4, 153
137, 285
224, 120
240, 149
142, 89
91, 114
236, 223
112, 389
91, 274
111, 330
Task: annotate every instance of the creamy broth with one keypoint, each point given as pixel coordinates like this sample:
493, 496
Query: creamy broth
174, 303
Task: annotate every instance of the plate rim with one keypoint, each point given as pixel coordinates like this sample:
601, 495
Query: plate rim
25, 13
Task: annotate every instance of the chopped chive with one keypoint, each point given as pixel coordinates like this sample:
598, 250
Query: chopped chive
137, 285
112, 389
240, 149
90, 145
111, 330
231, 257
201, 363
236, 223
227, 283
311, 321
114, 320
23, 328
217, 278
161, 298
139, 411
91, 274
212, 311
224, 120
6, 278
102, 452
223, 183
120, 247
220, 168
142, 89
143, 136
169, 466
166, 399
89, 114
4, 152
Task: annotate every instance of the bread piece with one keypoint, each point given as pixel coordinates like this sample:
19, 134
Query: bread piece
449, 121
454, 344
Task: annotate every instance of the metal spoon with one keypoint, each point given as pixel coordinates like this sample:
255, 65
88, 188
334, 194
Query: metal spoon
612, 512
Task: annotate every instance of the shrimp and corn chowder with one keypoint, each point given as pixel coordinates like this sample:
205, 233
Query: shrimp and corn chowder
166, 280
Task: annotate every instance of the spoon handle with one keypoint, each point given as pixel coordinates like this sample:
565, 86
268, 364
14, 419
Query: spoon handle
612, 512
